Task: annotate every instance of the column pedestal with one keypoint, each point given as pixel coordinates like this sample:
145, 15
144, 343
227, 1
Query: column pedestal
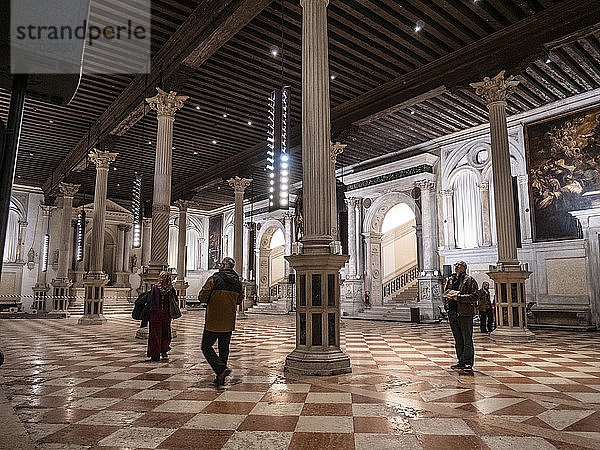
317, 316
94, 299
430, 296
181, 289
510, 305
40, 295
60, 297
352, 297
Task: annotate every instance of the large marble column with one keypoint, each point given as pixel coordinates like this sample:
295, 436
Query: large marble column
166, 105
430, 281
484, 191
180, 284
508, 274
146, 234
448, 197
61, 284
95, 280
41, 288
239, 185
317, 268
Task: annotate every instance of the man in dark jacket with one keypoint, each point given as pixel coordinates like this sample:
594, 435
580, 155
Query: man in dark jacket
222, 292
461, 309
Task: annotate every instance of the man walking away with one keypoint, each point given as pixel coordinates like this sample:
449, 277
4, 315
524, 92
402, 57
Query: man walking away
486, 309
461, 292
222, 292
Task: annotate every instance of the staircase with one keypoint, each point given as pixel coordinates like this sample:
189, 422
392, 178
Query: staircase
118, 306
279, 307
408, 294
386, 313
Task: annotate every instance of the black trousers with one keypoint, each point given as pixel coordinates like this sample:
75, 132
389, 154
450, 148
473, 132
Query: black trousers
218, 363
462, 330
486, 317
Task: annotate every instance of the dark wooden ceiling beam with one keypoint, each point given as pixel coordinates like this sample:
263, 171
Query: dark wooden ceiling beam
210, 25
502, 50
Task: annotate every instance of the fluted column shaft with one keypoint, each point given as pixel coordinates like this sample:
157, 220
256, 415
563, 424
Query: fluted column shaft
428, 228
146, 233
68, 191
127, 249
318, 171
181, 238
166, 105
288, 243
352, 267
99, 219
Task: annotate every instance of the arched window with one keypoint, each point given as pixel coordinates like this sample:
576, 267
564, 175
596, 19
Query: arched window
228, 241
467, 211
12, 235
193, 250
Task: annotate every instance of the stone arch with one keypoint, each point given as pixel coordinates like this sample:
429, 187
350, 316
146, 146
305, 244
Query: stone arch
372, 233
265, 234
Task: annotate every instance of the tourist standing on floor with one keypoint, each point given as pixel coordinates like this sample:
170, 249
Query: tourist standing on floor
461, 295
222, 292
486, 309
164, 306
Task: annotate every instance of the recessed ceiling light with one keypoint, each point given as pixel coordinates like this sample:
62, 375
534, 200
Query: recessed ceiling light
225, 115
149, 142
30, 154
274, 51
118, 185
173, 148
418, 26
195, 153
412, 111
114, 168
249, 122
332, 76
51, 121
548, 60
197, 106
214, 142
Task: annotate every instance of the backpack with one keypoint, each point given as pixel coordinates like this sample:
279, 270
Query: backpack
141, 307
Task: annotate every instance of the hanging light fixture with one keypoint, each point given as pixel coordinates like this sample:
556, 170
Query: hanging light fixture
45, 250
80, 234
136, 206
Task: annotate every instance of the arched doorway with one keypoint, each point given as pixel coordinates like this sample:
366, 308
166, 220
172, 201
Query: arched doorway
399, 255
401, 224
271, 262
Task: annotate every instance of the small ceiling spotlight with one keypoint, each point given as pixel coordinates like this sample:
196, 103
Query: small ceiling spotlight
418, 26
412, 111
224, 115
214, 141
51, 121
332, 76
250, 122
274, 51
149, 142
197, 106
114, 168
548, 60
195, 153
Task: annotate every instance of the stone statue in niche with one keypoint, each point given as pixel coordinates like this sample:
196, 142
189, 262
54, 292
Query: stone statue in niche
31, 258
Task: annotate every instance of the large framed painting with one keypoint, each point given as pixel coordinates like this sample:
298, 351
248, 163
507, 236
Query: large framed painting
215, 229
563, 162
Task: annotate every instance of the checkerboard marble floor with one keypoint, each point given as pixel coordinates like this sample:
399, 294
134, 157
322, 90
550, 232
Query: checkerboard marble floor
90, 387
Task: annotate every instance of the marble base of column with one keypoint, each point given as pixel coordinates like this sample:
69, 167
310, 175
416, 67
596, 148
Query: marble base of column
352, 301
77, 277
181, 290
41, 301
59, 304
430, 297
318, 349
510, 305
122, 279
94, 299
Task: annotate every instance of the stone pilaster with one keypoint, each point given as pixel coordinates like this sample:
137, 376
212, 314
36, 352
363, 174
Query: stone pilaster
61, 284
484, 191
289, 220
180, 284
146, 234
318, 349
373, 268
95, 280
508, 275
127, 250
166, 105
41, 288
351, 204
448, 198
524, 211
22, 227
430, 282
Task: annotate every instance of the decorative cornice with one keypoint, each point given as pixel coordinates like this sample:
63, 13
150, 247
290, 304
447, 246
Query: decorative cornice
335, 150
68, 190
495, 89
182, 205
238, 184
166, 104
101, 158
47, 210
351, 202
123, 227
447, 192
423, 168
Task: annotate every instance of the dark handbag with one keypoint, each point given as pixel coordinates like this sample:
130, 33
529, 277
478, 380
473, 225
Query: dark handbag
141, 307
174, 311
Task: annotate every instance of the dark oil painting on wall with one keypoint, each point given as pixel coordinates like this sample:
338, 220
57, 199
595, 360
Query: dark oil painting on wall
215, 226
563, 161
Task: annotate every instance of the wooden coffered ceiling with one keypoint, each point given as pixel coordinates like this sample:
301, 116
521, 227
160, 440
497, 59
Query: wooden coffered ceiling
392, 87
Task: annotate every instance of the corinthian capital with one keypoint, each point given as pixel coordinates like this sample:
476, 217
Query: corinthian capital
484, 186
425, 185
351, 202
182, 205
102, 159
336, 149
68, 190
166, 104
495, 89
239, 184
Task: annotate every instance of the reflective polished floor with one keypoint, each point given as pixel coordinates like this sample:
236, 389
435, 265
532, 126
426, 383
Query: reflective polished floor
90, 387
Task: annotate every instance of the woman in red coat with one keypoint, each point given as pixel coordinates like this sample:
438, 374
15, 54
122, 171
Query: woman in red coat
159, 335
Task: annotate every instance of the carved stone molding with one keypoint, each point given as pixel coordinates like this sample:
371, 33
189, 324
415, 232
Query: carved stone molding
447, 193
166, 104
425, 185
67, 190
160, 208
101, 158
182, 205
484, 186
335, 150
239, 184
495, 89
351, 202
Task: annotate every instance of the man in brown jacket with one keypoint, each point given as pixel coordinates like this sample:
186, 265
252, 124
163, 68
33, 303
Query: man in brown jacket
461, 309
222, 292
